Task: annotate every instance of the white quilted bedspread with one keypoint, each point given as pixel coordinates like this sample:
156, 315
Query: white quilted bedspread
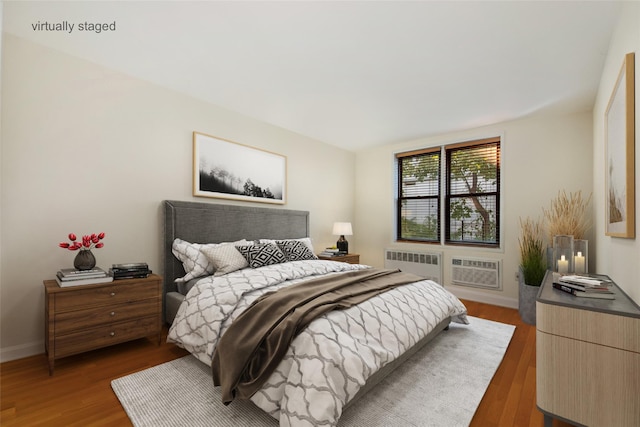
329, 361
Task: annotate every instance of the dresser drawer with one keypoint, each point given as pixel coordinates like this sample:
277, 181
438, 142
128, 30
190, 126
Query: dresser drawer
111, 294
89, 339
81, 319
590, 326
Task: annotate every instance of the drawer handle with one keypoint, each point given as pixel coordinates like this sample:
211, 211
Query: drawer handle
113, 294
113, 334
113, 313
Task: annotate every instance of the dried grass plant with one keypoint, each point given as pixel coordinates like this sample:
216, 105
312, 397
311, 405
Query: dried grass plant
568, 215
532, 251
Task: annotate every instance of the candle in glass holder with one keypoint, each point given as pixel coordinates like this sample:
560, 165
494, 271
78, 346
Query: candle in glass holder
578, 262
563, 253
581, 258
563, 265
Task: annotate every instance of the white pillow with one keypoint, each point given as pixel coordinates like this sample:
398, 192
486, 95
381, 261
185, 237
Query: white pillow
194, 262
226, 258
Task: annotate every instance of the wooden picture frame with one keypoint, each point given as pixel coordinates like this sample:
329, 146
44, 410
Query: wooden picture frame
228, 170
620, 154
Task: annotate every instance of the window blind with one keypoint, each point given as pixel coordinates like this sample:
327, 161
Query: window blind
472, 198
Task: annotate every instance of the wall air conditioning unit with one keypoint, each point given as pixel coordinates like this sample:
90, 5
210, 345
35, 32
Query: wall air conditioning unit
475, 272
424, 264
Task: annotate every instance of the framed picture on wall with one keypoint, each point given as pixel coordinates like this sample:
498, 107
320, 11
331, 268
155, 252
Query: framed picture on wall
620, 154
228, 170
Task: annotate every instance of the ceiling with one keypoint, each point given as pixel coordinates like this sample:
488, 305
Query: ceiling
353, 74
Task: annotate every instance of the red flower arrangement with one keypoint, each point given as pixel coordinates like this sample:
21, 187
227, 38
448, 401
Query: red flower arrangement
88, 242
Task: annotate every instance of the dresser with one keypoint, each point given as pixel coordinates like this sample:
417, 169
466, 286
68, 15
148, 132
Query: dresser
87, 317
587, 358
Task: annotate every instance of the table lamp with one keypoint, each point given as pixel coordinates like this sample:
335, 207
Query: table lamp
342, 229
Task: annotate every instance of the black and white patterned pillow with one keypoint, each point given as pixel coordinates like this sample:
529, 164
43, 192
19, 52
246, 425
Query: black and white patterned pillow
305, 240
262, 254
295, 250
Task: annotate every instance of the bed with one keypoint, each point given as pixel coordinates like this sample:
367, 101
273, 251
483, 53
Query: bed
334, 361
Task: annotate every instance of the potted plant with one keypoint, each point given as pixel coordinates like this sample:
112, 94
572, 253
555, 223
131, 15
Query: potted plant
533, 267
568, 215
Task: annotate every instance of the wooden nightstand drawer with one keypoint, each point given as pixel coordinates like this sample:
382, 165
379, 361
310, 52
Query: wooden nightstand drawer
350, 258
113, 293
81, 319
89, 339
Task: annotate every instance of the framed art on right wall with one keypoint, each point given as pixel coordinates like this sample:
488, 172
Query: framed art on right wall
620, 154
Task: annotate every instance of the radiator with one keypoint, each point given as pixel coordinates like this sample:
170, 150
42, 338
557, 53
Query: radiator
424, 264
475, 272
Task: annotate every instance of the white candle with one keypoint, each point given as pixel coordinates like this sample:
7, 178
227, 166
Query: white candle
563, 265
579, 263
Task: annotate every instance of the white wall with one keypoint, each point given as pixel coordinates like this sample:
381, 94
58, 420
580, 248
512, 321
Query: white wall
86, 149
620, 258
540, 156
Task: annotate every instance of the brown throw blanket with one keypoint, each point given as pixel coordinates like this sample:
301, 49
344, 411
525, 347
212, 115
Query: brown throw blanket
253, 346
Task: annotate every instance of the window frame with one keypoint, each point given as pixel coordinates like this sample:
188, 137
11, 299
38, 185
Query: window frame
445, 197
399, 198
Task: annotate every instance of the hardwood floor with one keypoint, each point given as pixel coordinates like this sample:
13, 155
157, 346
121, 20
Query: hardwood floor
79, 393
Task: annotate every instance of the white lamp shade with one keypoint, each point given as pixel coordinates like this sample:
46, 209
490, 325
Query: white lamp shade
342, 229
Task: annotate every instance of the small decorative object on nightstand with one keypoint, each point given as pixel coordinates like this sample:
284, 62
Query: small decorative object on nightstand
87, 317
135, 270
84, 260
342, 229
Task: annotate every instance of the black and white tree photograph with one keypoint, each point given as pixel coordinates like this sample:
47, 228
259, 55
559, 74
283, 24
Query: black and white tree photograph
229, 170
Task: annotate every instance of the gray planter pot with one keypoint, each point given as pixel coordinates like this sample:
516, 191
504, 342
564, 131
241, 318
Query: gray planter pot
527, 301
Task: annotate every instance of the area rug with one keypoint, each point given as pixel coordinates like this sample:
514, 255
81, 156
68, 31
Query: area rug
441, 385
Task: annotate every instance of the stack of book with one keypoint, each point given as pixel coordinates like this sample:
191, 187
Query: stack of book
332, 252
134, 270
584, 287
73, 277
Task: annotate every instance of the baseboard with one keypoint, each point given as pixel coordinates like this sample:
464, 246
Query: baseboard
21, 351
479, 296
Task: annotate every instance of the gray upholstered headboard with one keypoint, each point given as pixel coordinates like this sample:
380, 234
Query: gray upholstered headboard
213, 223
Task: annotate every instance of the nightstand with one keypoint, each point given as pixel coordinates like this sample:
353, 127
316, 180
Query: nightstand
350, 258
87, 317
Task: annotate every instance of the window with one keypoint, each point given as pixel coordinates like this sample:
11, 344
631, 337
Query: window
419, 196
470, 197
